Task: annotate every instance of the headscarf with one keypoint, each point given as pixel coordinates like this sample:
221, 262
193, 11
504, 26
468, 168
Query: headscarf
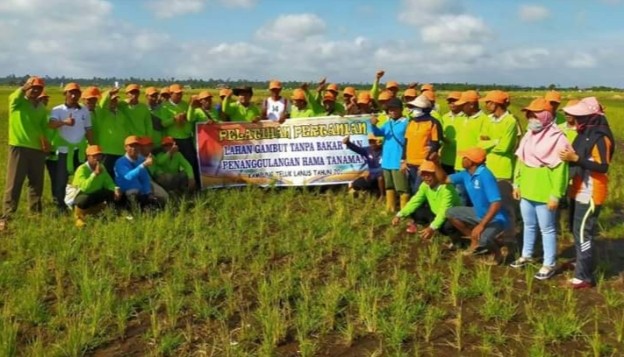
538, 149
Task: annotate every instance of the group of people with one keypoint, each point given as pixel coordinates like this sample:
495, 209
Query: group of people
458, 174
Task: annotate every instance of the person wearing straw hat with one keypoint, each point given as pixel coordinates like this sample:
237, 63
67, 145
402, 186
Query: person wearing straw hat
373, 180
449, 121
540, 183
110, 127
94, 186
438, 196
72, 123
589, 160
242, 110
275, 107
485, 220
28, 145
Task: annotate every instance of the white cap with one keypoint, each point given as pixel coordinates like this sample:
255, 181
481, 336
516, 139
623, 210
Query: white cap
420, 102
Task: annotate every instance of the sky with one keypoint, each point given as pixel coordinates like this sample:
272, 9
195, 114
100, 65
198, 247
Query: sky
529, 43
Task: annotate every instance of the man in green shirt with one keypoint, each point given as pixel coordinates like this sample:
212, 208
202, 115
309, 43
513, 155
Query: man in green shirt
554, 99
95, 186
243, 109
137, 114
449, 127
201, 109
301, 108
110, 129
429, 205
171, 170
28, 145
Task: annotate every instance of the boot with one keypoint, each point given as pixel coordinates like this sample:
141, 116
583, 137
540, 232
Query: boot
79, 215
390, 200
404, 199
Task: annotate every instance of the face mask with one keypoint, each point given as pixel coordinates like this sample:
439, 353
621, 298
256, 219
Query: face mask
416, 112
535, 125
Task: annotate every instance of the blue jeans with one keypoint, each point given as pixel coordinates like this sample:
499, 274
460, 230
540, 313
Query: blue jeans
414, 178
534, 215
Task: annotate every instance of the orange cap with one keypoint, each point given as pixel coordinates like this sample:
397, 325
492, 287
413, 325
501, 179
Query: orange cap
43, 94
36, 81
469, 96
453, 96
392, 84
553, 96
151, 91
538, 105
131, 87
364, 98
476, 155
275, 85
145, 140
91, 92
132, 139
176, 88
329, 96
427, 166
426, 87
224, 92
497, 96
430, 95
93, 150
333, 87
71, 86
410, 92
165, 90
385, 95
167, 140
204, 94
298, 94
349, 91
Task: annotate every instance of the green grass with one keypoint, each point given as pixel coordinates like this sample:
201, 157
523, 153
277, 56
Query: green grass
284, 272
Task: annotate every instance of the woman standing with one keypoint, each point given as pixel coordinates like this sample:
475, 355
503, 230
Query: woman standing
589, 162
541, 180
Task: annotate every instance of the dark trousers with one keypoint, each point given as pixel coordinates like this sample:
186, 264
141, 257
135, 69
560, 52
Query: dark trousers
109, 163
448, 169
187, 149
367, 184
62, 176
584, 228
88, 200
424, 216
23, 163
413, 176
143, 201
173, 182
51, 168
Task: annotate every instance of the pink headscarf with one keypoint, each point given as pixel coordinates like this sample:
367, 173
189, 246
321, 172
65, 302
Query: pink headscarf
542, 148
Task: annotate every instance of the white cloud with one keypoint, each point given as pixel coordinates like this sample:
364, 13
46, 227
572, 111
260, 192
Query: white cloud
291, 28
172, 8
246, 4
581, 60
455, 29
423, 12
533, 13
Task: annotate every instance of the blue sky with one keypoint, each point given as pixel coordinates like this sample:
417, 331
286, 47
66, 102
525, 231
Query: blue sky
565, 42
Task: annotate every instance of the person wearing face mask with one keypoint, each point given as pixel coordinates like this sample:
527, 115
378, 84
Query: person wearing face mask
589, 160
393, 133
95, 186
541, 180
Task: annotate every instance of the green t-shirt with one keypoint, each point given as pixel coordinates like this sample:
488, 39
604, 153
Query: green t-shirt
570, 133
168, 110
88, 182
307, 112
171, 164
560, 118
440, 199
238, 112
139, 118
540, 184
109, 128
449, 146
28, 123
196, 115
468, 133
501, 145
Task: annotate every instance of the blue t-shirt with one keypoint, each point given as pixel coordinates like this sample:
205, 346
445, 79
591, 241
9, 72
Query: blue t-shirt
482, 189
393, 132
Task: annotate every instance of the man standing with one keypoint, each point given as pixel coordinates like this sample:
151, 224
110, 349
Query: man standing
449, 122
138, 114
554, 99
392, 86
202, 110
73, 124
469, 129
275, 107
301, 108
243, 109
28, 145
110, 129
95, 186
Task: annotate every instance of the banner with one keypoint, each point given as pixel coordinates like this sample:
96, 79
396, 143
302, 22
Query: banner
299, 152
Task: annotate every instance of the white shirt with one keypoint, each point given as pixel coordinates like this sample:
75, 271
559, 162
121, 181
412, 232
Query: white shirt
72, 134
275, 108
